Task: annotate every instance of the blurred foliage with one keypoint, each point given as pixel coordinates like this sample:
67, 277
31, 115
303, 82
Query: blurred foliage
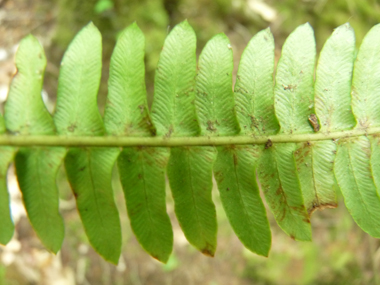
239, 19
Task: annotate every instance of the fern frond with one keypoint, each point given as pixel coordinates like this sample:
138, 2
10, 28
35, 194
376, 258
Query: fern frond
304, 139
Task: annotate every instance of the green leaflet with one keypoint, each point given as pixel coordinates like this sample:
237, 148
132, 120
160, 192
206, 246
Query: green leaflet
190, 177
90, 172
214, 96
88, 169
294, 81
366, 81
309, 141
333, 110
126, 110
6, 225
6, 157
364, 101
127, 114
356, 165
79, 76
333, 81
173, 110
282, 190
235, 166
315, 161
142, 174
293, 104
2, 125
36, 168
25, 112
173, 113
254, 86
354, 174
375, 161
214, 99
235, 175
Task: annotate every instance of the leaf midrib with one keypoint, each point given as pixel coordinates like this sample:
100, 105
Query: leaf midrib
123, 141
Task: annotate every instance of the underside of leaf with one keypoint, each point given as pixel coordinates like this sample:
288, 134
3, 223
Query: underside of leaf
306, 135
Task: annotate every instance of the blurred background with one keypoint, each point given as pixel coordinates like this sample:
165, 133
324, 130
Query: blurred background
340, 253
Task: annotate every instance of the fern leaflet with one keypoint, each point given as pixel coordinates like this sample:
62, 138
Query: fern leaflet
304, 139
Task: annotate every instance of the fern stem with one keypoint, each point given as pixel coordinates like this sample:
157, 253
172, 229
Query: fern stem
114, 141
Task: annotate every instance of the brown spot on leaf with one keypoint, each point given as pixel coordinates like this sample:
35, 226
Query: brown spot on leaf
235, 159
139, 176
314, 122
289, 87
157, 258
268, 144
254, 122
141, 107
210, 126
128, 128
219, 176
208, 250
320, 207
169, 133
279, 190
300, 209
230, 147
82, 168
72, 127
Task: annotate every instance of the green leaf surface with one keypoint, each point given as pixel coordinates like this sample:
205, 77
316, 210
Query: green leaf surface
254, 87
190, 177
6, 224
142, 175
366, 81
298, 137
235, 174
36, 170
333, 111
333, 81
2, 125
215, 102
37, 167
89, 171
354, 174
280, 184
173, 110
126, 111
25, 112
294, 99
79, 77
315, 161
375, 161
173, 113
236, 166
293, 105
